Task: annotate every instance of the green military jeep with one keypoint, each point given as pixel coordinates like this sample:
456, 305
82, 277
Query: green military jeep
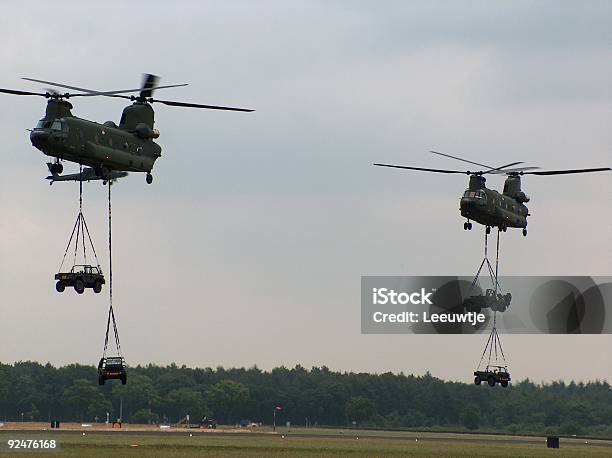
493, 375
80, 277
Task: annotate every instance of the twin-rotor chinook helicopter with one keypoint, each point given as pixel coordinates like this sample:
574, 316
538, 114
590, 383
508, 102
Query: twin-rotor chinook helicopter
108, 149
489, 207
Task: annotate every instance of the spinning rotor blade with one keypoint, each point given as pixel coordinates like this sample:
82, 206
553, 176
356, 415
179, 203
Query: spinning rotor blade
14, 92
148, 83
464, 160
145, 91
107, 93
498, 169
422, 169
197, 105
91, 92
184, 104
513, 170
565, 172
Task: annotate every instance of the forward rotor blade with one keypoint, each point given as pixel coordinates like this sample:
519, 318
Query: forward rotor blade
421, 169
565, 172
502, 167
14, 92
91, 92
197, 105
461, 159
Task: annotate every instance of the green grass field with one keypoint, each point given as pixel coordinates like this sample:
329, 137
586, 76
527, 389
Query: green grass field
236, 444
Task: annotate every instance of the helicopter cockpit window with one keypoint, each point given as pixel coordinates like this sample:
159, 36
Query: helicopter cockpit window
474, 194
44, 124
58, 124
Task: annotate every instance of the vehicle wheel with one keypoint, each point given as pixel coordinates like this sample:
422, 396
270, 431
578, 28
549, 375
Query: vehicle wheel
79, 286
149, 178
100, 380
124, 380
504, 383
60, 287
491, 380
477, 380
97, 287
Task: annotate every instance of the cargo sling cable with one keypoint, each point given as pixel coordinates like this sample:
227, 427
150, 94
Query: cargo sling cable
494, 347
492, 273
111, 313
80, 227
496, 363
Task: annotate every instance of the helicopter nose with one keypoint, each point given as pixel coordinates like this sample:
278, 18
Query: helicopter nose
39, 138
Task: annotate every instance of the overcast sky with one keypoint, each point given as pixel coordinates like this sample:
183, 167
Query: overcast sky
249, 246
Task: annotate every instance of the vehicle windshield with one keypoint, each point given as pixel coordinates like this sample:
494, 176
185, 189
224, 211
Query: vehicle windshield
54, 124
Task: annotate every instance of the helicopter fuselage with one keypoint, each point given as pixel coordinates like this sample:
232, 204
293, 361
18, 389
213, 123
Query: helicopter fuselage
104, 147
491, 208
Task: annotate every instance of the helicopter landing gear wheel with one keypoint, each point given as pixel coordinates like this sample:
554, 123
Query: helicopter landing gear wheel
57, 168
524, 232
469, 226
488, 230
149, 178
465, 226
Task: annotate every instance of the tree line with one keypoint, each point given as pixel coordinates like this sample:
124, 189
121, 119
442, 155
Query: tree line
30, 391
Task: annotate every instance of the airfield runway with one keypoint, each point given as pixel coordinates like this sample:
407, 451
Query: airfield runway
302, 433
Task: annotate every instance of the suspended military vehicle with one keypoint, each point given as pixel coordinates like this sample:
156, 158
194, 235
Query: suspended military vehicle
489, 207
108, 147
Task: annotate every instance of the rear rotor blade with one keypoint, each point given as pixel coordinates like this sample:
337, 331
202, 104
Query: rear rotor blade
565, 172
421, 169
197, 105
512, 170
14, 92
149, 81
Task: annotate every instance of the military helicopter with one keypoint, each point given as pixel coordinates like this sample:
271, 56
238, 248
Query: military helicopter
489, 207
106, 148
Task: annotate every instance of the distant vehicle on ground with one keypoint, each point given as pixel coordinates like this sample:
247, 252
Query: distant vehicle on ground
112, 368
493, 375
208, 423
80, 277
495, 301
